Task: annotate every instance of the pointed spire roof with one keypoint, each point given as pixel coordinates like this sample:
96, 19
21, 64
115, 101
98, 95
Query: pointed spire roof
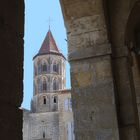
48, 44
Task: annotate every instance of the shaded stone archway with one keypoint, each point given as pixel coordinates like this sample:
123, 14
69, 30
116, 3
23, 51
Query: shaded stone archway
84, 51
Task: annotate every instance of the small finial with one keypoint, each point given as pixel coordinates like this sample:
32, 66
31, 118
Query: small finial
49, 21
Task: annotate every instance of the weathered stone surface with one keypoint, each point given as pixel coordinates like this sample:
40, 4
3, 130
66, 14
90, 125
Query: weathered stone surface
88, 29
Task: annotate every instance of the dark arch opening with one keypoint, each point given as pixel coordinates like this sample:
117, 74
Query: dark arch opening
44, 85
55, 99
43, 134
44, 101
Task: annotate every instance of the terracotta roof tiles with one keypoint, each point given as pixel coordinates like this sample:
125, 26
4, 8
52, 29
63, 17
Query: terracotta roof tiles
48, 44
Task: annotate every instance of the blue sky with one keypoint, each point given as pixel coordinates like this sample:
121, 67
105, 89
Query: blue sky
37, 13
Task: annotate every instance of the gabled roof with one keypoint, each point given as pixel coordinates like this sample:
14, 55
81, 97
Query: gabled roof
48, 44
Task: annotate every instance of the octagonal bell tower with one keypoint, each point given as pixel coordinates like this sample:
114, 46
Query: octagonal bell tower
49, 76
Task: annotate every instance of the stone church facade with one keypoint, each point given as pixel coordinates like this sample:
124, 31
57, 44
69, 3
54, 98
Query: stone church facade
51, 116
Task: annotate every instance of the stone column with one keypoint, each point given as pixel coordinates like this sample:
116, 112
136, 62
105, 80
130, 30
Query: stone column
11, 68
126, 96
91, 74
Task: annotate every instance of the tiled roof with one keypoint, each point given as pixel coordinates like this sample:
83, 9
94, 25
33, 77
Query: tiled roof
48, 45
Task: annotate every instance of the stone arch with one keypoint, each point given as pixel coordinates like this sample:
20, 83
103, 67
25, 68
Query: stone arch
132, 39
119, 16
118, 13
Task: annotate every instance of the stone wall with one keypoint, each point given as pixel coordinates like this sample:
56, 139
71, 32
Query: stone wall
54, 124
11, 61
91, 73
103, 71
65, 113
35, 124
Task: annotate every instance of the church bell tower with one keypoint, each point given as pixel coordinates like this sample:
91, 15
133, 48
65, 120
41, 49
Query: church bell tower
49, 76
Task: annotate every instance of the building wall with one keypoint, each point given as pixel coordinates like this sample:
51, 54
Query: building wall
57, 125
91, 71
65, 116
40, 124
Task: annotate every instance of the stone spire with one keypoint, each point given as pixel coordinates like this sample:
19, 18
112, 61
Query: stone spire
49, 45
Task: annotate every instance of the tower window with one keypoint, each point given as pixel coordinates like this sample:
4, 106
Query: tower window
55, 99
44, 101
44, 67
55, 85
39, 68
43, 134
44, 85
54, 67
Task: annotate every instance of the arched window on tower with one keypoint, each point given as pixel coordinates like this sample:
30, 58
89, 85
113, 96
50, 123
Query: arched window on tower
39, 86
39, 68
54, 67
43, 134
44, 100
35, 70
44, 67
55, 84
55, 103
55, 99
44, 85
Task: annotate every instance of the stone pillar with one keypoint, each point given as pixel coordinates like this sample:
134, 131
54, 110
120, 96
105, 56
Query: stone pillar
11, 68
91, 74
126, 97
121, 28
